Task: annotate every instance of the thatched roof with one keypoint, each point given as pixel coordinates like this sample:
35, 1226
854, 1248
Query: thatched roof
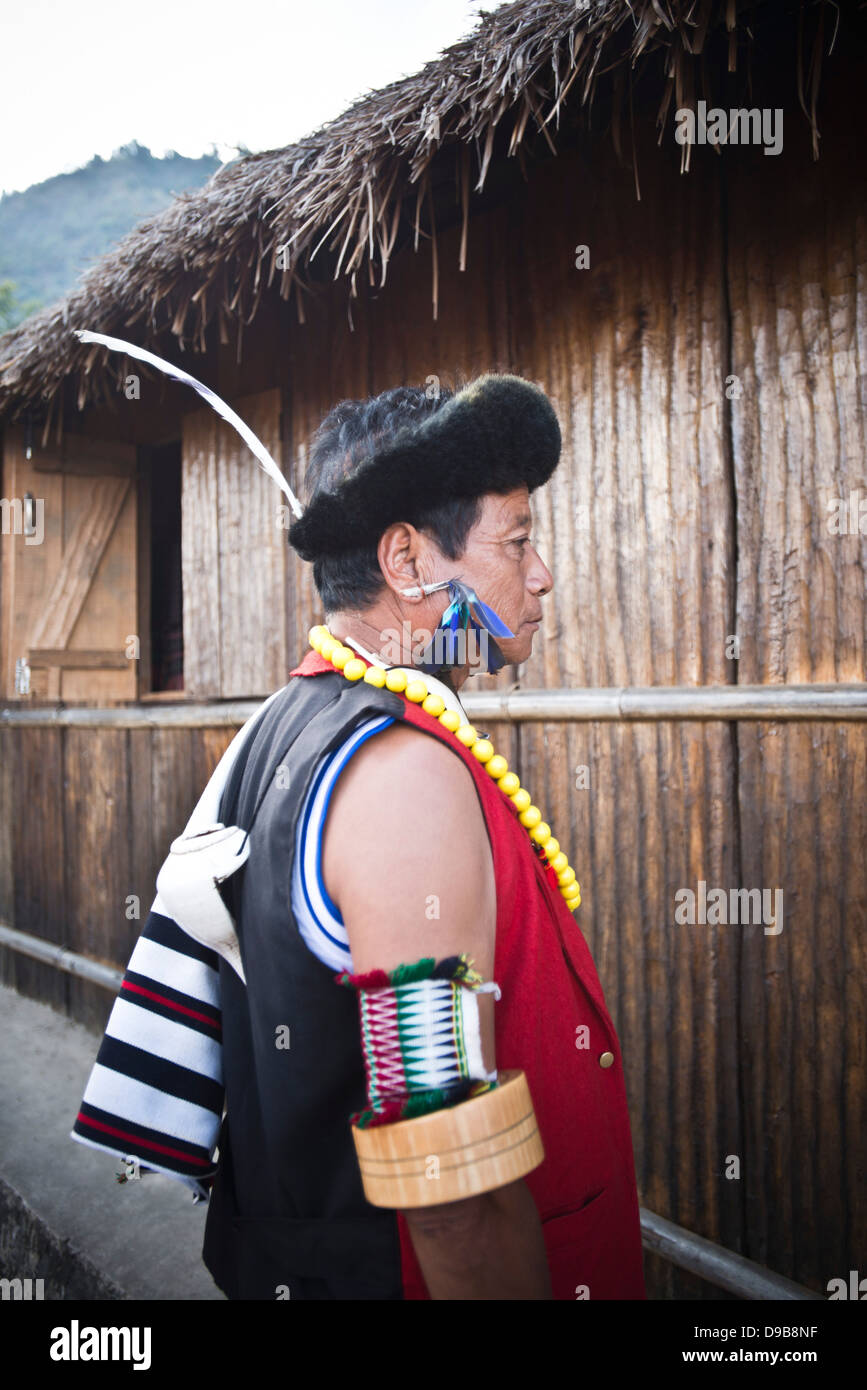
343, 193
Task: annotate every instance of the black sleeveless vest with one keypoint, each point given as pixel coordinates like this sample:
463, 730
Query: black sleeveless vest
287, 1215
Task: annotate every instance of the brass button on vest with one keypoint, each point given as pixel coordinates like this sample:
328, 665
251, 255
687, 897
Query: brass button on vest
607, 1059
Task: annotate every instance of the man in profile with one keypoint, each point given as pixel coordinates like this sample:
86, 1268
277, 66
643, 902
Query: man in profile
392, 849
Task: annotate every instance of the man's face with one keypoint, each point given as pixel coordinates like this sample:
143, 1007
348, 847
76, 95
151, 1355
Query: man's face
505, 570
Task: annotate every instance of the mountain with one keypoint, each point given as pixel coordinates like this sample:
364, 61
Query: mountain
54, 230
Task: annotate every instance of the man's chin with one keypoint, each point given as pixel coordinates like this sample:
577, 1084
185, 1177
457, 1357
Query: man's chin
518, 648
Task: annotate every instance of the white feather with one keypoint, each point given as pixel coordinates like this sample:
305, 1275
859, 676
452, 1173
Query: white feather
178, 374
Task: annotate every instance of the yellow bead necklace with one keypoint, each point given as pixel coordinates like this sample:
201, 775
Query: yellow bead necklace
354, 669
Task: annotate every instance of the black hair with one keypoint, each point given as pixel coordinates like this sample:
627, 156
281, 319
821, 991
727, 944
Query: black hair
348, 435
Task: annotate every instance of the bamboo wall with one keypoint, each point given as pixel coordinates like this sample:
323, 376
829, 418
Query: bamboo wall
679, 517
234, 555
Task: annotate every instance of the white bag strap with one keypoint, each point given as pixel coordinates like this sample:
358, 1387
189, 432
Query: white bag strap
187, 885
206, 854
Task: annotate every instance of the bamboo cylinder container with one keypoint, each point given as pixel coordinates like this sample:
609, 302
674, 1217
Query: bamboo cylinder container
458, 1152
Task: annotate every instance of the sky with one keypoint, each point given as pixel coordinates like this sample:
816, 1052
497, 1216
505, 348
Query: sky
85, 77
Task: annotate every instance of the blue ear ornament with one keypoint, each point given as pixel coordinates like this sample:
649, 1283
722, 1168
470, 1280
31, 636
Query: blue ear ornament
465, 614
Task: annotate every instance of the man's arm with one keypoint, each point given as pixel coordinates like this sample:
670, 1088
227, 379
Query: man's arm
407, 860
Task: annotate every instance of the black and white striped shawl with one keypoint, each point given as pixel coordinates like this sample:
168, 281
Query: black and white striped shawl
156, 1092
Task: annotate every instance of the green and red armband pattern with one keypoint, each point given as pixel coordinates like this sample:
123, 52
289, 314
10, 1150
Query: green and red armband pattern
420, 1038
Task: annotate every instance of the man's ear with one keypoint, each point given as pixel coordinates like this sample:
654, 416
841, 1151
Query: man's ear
398, 552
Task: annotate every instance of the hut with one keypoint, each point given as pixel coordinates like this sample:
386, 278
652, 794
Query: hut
551, 196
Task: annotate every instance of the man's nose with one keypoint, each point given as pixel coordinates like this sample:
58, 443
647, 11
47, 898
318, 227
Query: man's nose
540, 580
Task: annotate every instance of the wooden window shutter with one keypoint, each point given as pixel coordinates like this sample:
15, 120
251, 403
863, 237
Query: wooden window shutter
70, 600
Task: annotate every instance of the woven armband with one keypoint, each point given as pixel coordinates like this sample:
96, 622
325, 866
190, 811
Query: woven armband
438, 1127
420, 1038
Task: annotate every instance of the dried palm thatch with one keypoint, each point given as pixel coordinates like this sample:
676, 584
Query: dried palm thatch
259, 223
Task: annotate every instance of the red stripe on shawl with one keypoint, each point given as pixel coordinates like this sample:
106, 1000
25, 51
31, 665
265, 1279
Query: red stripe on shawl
142, 1143
169, 1003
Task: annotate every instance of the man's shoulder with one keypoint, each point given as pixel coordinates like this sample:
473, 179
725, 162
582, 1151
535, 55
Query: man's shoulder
406, 812
404, 777
404, 753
